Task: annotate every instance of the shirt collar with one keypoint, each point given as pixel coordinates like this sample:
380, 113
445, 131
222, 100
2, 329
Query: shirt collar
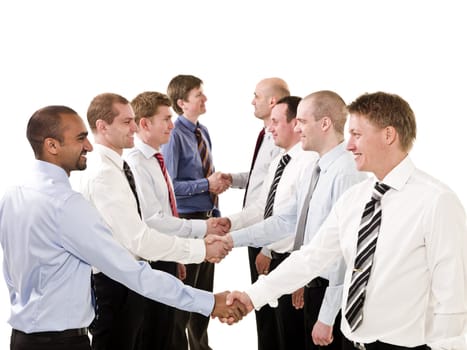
294, 151
147, 150
109, 153
400, 175
58, 174
328, 158
187, 123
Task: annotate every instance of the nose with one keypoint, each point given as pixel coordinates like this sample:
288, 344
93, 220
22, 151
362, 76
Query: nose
133, 126
350, 145
87, 145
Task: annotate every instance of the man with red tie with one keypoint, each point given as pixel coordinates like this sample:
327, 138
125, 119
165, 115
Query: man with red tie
158, 205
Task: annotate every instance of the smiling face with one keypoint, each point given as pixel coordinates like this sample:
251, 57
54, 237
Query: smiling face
71, 153
159, 126
282, 131
308, 127
368, 143
120, 133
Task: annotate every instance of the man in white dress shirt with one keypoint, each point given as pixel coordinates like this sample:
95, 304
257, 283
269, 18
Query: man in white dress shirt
287, 330
107, 185
267, 92
155, 192
415, 292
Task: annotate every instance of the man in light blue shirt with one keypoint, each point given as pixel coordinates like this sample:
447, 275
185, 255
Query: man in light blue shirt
51, 236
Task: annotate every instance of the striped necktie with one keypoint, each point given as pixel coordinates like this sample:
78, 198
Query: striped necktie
272, 190
366, 247
131, 181
173, 203
206, 161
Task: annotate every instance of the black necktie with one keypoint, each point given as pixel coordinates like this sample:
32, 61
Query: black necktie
272, 190
131, 182
259, 141
366, 246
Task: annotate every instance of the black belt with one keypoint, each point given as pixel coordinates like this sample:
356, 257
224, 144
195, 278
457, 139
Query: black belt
276, 255
380, 345
198, 214
317, 283
54, 334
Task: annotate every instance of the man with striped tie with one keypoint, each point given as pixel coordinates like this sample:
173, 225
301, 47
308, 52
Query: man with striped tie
402, 235
189, 161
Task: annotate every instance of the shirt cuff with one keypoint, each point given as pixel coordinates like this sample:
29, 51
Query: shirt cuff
197, 251
198, 228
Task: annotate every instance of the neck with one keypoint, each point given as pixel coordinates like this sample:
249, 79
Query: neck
192, 118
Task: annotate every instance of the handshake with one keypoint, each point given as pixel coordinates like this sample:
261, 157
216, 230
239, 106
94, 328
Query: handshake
219, 182
231, 307
218, 243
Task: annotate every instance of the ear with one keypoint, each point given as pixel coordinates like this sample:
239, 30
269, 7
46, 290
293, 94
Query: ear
390, 135
180, 103
326, 123
51, 145
144, 123
101, 125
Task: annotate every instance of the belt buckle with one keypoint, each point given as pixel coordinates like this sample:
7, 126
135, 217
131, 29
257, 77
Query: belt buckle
359, 346
209, 213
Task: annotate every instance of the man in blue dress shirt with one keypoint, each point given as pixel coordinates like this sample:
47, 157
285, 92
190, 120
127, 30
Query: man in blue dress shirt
196, 191
49, 249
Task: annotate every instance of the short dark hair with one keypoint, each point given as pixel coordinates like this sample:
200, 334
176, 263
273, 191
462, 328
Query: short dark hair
292, 104
46, 122
102, 107
179, 88
145, 105
383, 109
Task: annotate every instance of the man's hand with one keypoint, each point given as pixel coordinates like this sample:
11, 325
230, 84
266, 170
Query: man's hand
228, 313
217, 247
217, 226
322, 334
181, 271
297, 298
262, 264
218, 182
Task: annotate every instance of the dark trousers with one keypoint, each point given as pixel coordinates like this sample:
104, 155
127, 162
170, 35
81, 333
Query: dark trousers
268, 338
200, 276
118, 318
313, 298
289, 321
157, 329
44, 341
377, 345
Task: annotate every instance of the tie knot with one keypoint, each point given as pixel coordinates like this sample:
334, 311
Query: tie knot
159, 156
285, 159
379, 190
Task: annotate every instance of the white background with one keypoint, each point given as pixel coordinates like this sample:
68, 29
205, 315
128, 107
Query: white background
66, 52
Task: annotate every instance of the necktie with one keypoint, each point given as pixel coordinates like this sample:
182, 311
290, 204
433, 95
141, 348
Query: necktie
206, 160
300, 234
366, 246
131, 182
259, 141
272, 190
173, 203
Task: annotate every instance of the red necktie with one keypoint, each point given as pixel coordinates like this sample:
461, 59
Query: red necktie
259, 141
173, 204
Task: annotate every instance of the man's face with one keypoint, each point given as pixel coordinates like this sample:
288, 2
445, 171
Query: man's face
282, 131
75, 145
120, 134
308, 128
160, 126
195, 105
367, 143
261, 102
